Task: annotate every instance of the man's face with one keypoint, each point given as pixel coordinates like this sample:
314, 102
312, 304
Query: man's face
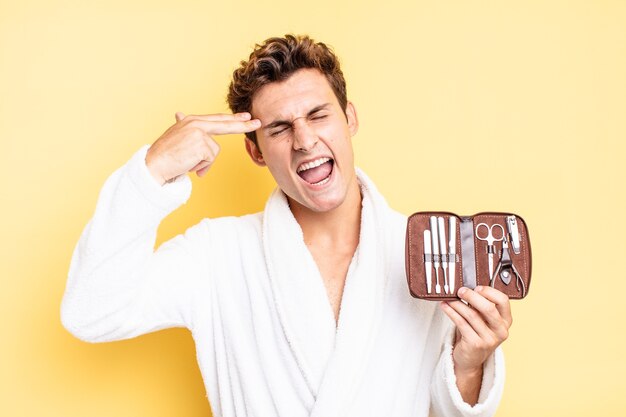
305, 139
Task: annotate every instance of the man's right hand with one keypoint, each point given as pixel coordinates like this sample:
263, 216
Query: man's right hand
188, 145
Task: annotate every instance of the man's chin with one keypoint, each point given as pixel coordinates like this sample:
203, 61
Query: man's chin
317, 205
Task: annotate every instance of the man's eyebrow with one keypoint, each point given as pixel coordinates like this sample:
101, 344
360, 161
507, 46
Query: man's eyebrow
315, 109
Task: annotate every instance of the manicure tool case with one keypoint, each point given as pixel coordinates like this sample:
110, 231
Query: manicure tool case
445, 251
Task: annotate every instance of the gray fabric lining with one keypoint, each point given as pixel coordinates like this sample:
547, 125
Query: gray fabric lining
467, 249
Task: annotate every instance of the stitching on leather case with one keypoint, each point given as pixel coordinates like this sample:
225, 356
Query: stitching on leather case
411, 259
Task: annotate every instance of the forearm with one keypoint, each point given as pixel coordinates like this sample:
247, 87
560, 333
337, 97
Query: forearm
450, 394
469, 383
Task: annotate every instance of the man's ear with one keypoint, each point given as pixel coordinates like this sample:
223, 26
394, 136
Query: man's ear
255, 153
353, 120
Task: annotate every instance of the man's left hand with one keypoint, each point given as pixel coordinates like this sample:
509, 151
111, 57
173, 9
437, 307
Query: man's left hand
481, 326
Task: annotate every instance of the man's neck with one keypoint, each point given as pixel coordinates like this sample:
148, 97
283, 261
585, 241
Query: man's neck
339, 227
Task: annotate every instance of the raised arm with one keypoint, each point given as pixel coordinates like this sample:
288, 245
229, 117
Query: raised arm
119, 287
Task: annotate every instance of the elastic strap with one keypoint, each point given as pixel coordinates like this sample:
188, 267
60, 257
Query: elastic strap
467, 249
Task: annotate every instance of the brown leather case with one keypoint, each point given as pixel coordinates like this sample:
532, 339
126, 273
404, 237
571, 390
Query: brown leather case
471, 262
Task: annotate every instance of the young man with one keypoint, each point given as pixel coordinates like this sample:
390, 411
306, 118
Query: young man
302, 309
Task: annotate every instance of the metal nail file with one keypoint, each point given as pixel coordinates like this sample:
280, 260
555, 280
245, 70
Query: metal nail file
452, 252
428, 262
443, 243
435, 236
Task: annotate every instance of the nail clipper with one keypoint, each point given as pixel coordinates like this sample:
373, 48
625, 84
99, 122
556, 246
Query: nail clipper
511, 225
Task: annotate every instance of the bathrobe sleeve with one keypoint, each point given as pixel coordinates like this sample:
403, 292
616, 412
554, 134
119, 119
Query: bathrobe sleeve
118, 287
446, 398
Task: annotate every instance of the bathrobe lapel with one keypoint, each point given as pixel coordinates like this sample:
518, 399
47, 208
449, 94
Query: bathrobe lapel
331, 359
299, 293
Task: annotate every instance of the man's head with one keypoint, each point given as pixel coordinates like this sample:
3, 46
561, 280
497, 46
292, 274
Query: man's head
276, 60
296, 88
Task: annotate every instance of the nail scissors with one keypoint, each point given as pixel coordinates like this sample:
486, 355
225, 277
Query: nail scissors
490, 239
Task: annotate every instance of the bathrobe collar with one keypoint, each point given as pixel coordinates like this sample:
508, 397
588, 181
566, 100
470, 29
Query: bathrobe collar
331, 359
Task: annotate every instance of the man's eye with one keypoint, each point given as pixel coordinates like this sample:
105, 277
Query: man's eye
322, 116
278, 132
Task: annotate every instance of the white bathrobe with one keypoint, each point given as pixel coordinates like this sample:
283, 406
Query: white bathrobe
251, 294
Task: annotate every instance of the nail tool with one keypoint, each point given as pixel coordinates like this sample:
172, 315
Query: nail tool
504, 268
443, 243
435, 237
428, 261
452, 252
490, 239
511, 225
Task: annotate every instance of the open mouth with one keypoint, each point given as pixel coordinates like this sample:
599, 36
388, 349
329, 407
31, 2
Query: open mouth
316, 172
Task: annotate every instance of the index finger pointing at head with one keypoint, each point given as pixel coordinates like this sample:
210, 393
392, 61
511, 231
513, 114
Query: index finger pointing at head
219, 116
225, 127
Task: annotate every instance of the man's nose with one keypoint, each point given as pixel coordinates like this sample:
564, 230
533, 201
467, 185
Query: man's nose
304, 136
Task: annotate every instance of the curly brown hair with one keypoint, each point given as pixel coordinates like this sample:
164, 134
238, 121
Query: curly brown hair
276, 60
